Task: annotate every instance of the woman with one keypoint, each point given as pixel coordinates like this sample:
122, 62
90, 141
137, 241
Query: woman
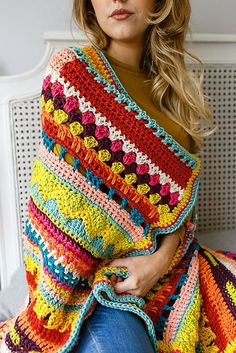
111, 259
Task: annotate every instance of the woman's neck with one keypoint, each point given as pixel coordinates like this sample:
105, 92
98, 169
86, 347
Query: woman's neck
125, 52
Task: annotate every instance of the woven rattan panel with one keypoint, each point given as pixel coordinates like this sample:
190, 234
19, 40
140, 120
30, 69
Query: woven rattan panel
216, 204
26, 130
216, 201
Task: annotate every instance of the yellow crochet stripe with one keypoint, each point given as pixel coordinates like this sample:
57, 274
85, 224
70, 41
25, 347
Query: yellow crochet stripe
73, 205
231, 347
189, 325
206, 335
95, 61
232, 291
211, 258
32, 267
14, 336
59, 319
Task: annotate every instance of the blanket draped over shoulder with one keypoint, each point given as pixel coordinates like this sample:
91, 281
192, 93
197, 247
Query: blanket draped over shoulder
137, 185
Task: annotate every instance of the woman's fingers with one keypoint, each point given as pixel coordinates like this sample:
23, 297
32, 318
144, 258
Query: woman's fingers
119, 279
114, 279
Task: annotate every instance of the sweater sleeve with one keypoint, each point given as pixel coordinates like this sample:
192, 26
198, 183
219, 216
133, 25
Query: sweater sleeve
194, 148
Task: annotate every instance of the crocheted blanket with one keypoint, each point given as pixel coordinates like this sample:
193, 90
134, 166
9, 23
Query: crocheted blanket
129, 184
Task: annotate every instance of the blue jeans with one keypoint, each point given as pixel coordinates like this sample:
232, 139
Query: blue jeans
109, 330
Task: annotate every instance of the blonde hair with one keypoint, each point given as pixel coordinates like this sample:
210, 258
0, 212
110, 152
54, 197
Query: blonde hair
176, 90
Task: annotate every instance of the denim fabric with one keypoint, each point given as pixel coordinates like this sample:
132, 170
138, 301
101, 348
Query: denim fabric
109, 330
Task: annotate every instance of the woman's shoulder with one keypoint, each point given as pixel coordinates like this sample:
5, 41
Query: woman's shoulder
62, 56
59, 58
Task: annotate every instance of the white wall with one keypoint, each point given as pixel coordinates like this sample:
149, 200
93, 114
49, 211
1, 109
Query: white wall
213, 16
23, 22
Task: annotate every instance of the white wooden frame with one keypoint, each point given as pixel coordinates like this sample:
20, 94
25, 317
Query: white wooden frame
211, 48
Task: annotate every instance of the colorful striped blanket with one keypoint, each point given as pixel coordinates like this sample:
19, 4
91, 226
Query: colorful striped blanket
130, 183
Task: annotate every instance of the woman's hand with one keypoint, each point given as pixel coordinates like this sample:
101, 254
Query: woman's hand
146, 270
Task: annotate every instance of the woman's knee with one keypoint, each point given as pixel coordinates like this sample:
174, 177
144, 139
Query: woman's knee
110, 330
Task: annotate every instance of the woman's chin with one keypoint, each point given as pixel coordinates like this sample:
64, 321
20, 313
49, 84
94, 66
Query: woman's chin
123, 37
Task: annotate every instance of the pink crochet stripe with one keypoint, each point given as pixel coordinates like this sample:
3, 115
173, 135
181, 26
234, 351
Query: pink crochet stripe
64, 170
182, 302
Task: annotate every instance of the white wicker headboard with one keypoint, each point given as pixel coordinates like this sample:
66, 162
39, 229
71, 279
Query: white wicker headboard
21, 132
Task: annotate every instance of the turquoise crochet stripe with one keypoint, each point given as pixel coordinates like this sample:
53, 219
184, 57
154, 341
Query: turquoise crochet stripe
116, 303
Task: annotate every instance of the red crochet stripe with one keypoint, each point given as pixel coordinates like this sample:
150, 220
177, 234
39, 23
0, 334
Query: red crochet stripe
31, 280
87, 159
125, 121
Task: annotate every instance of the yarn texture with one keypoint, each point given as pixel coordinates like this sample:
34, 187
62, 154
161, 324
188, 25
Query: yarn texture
129, 184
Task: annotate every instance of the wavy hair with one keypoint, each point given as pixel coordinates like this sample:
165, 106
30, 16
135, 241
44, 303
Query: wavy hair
176, 90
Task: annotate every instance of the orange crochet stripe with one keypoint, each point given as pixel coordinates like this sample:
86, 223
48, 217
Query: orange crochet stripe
98, 64
223, 322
